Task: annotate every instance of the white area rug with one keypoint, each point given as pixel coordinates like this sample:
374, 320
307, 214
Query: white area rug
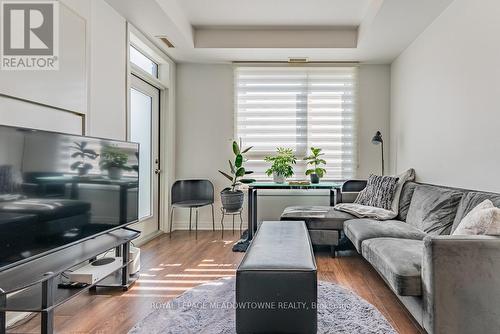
209, 309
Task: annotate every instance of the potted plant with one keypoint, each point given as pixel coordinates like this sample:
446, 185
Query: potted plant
315, 161
114, 161
83, 153
232, 198
282, 162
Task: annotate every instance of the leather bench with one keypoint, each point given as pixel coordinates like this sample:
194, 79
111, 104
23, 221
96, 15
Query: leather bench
276, 282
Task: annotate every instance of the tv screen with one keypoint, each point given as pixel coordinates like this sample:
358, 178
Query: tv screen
58, 189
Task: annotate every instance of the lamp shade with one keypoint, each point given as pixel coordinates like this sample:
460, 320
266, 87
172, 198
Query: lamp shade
377, 139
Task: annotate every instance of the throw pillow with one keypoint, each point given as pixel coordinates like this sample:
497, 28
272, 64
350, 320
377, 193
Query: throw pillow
364, 211
484, 219
433, 209
379, 192
470, 201
408, 175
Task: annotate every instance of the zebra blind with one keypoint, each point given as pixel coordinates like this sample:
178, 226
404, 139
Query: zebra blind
298, 108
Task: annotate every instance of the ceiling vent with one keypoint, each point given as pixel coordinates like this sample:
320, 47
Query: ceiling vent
166, 41
298, 60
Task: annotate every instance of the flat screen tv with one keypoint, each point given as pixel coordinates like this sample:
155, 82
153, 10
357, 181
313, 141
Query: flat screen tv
58, 189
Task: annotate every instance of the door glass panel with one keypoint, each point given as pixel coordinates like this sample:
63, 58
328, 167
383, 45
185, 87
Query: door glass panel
140, 131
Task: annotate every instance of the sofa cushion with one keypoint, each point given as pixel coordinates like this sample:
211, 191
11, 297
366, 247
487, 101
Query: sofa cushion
433, 209
317, 217
470, 201
359, 230
398, 261
405, 199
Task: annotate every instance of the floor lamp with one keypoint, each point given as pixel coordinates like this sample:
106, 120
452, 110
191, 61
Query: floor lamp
377, 139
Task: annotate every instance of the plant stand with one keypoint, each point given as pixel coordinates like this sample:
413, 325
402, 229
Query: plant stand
231, 213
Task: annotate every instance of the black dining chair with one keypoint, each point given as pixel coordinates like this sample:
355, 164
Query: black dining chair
192, 194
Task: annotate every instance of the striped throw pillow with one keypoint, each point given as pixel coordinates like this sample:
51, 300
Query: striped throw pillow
379, 192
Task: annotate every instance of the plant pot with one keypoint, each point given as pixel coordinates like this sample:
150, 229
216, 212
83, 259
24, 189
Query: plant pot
314, 178
278, 178
232, 200
82, 171
115, 173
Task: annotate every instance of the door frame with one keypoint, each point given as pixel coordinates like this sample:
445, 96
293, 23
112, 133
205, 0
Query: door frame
149, 90
166, 84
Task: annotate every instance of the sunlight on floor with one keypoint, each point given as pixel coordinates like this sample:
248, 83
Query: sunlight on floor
146, 275
159, 281
149, 295
225, 242
215, 265
197, 275
166, 288
156, 269
181, 280
209, 270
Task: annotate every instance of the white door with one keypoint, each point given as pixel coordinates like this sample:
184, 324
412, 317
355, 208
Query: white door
144, 129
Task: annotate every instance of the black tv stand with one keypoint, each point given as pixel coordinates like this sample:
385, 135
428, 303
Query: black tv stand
35, 282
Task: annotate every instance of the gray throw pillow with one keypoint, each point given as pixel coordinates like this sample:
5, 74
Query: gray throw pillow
433, 209
379, 192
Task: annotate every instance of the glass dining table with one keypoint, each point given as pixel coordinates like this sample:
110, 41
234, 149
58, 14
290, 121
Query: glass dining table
253, 189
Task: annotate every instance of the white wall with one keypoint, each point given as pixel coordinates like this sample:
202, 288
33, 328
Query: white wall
65, 88
108, 68
373, 114
445, 99
205, 129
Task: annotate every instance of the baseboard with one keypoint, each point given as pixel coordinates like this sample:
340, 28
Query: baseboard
147, 238
207, 225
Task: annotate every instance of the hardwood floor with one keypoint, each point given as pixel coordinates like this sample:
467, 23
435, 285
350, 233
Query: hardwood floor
170, 266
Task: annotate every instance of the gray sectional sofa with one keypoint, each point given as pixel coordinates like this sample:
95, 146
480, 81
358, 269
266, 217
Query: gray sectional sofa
450, 284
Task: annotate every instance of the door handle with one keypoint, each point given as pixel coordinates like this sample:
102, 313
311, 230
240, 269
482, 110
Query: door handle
157, 171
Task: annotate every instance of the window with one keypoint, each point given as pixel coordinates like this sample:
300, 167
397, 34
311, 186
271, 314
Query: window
297, 107
142, 61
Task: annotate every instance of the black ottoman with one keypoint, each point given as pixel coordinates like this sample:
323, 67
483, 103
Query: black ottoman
276, 282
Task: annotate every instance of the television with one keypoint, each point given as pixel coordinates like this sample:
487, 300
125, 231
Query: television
58, 189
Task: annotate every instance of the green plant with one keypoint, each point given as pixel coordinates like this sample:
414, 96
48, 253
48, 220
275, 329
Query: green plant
113, 157
83, 153
281, 162
315, 161
236, 166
